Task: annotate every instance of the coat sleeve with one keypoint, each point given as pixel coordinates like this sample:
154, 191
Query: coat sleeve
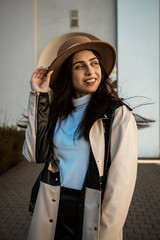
121, 176
36, 147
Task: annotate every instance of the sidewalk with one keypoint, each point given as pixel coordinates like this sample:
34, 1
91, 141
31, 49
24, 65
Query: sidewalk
143, 221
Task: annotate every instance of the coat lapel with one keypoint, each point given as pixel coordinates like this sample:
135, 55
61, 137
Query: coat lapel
97, 141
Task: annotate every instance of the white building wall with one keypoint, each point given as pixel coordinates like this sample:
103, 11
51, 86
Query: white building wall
16, 58
138, 65
95, 17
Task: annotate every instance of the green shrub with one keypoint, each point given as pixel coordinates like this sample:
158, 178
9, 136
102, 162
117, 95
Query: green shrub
11, 142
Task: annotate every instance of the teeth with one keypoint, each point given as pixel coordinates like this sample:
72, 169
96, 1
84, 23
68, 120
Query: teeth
90, 80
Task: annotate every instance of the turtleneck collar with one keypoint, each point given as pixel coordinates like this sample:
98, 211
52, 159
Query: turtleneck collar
80, 102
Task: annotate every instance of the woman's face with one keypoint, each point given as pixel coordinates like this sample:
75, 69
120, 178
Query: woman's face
86, 73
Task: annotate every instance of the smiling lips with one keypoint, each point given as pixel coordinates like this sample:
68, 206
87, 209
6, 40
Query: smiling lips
90, 80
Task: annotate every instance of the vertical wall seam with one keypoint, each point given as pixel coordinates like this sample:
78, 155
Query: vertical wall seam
159, 78
35, 33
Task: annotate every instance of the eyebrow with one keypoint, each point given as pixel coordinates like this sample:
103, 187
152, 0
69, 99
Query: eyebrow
84, 61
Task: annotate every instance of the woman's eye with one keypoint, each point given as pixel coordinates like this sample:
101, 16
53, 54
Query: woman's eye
95, 63
78, 67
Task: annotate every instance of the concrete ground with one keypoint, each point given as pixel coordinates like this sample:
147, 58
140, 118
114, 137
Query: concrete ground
143, 221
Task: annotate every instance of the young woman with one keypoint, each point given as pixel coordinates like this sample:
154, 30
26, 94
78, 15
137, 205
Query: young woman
87, 138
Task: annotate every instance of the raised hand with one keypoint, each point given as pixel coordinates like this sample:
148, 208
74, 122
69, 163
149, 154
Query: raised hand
40, 80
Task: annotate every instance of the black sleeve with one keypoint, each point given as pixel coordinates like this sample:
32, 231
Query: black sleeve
43, 141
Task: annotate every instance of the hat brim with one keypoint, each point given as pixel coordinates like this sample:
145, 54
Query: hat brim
106, 51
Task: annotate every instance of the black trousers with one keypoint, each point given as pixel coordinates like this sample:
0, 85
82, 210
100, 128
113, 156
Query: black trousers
67, 221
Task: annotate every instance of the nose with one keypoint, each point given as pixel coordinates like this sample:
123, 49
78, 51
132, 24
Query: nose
89, 70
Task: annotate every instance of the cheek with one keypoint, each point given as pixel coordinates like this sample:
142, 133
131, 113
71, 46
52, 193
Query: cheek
100, 74
75, 81
76, 78
73, 78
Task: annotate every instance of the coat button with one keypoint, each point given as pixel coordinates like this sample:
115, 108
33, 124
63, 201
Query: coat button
54, 200
95, 229
50, 220
56, 179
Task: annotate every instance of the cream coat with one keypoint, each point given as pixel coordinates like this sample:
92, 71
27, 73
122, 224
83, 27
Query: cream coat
100, 223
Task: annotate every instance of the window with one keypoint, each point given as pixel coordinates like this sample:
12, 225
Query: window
74, 18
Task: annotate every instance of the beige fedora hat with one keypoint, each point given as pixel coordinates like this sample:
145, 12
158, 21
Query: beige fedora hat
77, 43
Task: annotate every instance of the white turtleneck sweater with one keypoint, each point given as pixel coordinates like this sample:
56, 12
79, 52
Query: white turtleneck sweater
72, 154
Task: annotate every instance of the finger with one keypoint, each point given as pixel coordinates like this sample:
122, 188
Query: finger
40, 69
40, 73
50, 72
49, 76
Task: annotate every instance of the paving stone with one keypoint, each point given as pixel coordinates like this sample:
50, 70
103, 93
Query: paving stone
143, 220
144, 212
